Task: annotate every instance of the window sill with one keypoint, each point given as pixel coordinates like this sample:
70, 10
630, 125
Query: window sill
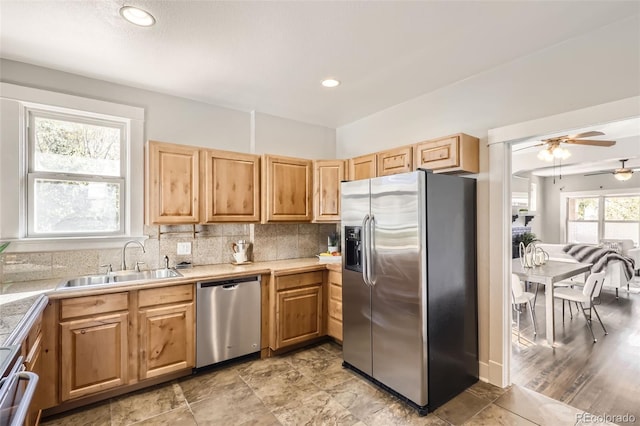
29, 245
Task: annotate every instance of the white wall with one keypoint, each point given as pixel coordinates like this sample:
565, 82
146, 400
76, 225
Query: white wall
575, 183
599, 67
276, 135
178, 120
167, 118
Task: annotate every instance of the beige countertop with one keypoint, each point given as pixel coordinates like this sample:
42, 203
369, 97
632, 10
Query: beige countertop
17, 298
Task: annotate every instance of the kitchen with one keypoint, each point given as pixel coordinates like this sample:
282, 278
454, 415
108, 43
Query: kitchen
472, 108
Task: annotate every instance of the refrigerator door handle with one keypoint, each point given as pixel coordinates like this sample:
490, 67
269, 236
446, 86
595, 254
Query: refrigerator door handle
364, 251
372, 247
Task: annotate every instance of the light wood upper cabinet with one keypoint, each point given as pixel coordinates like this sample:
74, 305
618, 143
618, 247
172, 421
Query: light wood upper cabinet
287, 189
230, 187
327, 175
172, 183
393, 161
451, 154
363, 167
93, 355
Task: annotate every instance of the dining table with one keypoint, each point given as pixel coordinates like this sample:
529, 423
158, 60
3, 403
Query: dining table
548, 274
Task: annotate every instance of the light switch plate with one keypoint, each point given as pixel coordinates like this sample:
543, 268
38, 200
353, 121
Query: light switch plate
183, 248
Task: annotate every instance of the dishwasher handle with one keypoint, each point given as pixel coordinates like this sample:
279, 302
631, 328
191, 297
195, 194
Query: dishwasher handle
228, 283
230, 286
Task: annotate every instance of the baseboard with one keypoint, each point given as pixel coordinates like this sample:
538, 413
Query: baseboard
496, 376
483, 371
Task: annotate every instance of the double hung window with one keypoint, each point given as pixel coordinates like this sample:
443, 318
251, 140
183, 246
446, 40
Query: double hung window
593, 218
76, 175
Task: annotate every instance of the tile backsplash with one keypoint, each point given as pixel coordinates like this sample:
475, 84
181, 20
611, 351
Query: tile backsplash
210, 244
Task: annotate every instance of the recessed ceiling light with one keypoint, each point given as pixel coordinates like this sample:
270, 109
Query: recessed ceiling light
137, 16
330, 82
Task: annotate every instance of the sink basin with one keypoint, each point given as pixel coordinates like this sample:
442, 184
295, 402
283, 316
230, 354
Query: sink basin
118, 278
87, 280
154, 274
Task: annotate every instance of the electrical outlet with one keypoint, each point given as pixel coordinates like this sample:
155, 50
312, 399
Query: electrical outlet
183, 248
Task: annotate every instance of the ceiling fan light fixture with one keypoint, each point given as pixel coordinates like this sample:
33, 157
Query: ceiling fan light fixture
137, 16
623, 174
545, 155
554, 152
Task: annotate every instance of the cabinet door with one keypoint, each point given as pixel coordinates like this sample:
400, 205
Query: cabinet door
231, 187
327, 175
334, 321
287, 186
33, 363
393, 161
298, 315
363, 167
172, 183
452, 154
167, 340
93, 355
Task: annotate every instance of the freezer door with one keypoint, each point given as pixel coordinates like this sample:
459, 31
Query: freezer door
399, 339
356, 295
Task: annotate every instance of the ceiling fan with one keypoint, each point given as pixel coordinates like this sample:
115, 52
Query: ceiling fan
552, 149
622, 173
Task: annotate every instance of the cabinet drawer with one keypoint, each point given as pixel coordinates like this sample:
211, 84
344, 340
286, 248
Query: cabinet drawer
164, 295
285, 282
91, 305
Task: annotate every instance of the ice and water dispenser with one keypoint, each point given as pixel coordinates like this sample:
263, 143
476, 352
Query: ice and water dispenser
353, 248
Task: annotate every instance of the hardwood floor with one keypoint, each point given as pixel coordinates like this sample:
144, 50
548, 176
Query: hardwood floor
601, 378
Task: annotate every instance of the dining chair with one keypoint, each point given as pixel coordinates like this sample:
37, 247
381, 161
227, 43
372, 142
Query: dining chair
586, 298
520, 297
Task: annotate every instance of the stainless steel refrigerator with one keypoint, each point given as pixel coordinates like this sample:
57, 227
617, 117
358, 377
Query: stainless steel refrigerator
409, 284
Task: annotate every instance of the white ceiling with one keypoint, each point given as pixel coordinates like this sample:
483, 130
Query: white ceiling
583, 159
271, 56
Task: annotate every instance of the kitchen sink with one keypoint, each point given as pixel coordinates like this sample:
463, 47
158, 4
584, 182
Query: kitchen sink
153, 274
118, 278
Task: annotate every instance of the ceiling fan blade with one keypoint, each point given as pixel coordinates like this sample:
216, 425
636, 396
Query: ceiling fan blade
527, 147
586, 134
604, 172
591, 142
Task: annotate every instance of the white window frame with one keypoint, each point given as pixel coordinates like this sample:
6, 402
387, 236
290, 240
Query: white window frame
564, 203
15, 102
85, 118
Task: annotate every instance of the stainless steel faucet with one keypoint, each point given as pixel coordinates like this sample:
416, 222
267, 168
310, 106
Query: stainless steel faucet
123, 265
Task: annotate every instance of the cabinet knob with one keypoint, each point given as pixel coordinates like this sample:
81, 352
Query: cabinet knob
83, 332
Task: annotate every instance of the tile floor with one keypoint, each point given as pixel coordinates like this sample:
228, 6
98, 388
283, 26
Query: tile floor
308, 387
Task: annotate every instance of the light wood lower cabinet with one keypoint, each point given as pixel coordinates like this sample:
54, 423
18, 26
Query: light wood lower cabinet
166, 339
117, 339
94, 355
298, 309
334, 309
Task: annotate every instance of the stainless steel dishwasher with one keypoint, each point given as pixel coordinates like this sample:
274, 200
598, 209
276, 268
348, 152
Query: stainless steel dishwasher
227, 319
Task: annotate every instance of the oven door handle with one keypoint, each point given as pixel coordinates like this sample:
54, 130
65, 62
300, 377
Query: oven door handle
27, 396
